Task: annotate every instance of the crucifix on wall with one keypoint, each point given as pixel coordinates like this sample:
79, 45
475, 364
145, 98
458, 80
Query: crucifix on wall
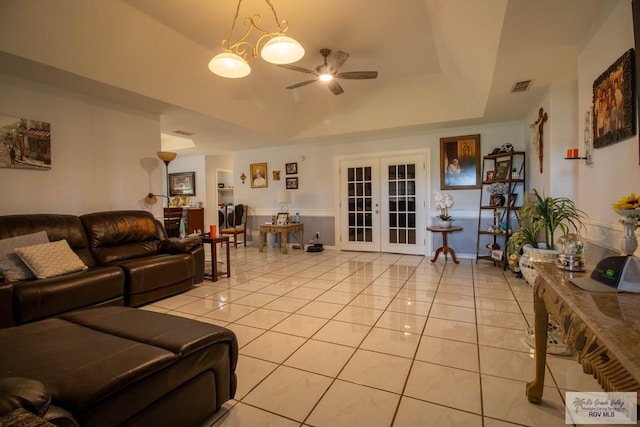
537, 127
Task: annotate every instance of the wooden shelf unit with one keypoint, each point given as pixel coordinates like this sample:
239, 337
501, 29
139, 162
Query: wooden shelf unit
507, 213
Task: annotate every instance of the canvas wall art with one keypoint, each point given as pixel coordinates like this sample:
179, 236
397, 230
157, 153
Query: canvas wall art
24, 143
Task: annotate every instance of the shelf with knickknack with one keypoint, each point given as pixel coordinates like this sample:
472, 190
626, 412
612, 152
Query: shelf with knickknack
501, 195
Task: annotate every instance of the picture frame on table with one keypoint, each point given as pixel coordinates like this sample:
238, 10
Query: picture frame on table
489, 176
282, 218
182, 184
460, 162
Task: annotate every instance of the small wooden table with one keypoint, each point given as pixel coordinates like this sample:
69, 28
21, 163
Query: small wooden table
214, 256
284, 231
445, 245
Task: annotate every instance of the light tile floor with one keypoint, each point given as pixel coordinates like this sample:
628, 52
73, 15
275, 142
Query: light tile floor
375, 339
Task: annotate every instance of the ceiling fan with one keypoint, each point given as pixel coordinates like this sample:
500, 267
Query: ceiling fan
328, 71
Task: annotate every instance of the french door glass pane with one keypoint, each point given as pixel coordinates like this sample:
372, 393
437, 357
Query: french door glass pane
402, 204
360, 204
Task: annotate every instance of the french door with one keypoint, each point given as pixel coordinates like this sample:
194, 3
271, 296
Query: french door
382, 201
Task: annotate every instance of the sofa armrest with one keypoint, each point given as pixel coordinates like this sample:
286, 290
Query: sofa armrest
180, 246
16, 392
7, 317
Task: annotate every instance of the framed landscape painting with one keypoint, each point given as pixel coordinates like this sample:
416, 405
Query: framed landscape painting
460, 162
182, 184
24, 143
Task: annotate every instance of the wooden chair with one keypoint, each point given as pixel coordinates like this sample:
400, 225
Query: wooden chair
172, 217
239, 225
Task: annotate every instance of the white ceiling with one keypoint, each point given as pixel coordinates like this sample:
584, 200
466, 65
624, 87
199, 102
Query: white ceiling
440, 62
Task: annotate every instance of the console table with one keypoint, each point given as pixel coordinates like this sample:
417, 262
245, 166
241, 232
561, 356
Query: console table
214, 256
445, 244
284, 230
601, 329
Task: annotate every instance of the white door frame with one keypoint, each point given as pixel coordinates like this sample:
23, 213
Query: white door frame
423, 194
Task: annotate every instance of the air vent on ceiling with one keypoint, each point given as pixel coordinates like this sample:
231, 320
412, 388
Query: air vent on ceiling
183, 132
521, 86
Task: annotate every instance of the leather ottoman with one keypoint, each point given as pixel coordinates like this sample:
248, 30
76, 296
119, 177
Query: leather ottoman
112, 366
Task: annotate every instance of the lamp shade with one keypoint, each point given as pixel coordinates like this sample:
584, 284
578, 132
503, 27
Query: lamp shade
284, 196
151, 199
166, 156
229, 65
282, 50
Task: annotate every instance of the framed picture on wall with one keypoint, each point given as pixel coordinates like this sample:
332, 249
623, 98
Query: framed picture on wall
259, 175
614, 106
460, 162
292, 183
291, 168
182, 184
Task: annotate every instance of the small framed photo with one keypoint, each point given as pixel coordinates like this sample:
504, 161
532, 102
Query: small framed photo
502, 170
182, 184
276, 175
259, 175
489, 176
292, 183
512, 199
291, 168
282, 218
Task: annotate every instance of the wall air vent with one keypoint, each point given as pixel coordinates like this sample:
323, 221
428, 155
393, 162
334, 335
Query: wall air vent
522, 86
183, 132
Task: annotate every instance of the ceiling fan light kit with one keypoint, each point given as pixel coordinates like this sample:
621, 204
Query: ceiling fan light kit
279, 49
328, 72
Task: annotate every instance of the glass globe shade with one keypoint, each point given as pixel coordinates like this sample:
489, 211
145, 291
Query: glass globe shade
282, 50
571, 249
325, 77
229, 65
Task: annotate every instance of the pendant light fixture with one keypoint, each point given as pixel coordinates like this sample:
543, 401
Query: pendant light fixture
233, 63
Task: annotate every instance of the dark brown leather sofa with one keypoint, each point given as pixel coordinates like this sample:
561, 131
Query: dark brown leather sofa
116, 366
130, 258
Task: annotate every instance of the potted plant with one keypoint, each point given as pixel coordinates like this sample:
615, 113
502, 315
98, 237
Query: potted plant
443, 202
540, 217
514, 173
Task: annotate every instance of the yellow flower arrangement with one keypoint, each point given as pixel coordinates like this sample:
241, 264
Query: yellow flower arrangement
628, 206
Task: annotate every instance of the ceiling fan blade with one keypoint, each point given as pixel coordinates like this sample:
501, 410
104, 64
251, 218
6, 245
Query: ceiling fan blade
306, 82
295, 68
335, 87
337, 60
358, 75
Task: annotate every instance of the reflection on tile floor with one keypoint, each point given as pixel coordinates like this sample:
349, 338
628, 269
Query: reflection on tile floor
373, 339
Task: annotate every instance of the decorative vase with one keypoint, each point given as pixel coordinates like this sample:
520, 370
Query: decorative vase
629, 240
445, 223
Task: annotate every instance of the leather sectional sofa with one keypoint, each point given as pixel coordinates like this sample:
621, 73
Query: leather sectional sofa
72, 352
116, 366
129, 257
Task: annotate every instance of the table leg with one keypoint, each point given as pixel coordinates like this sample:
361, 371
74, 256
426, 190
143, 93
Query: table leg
302, 237
285, 240
541, 321
228, 260
214, 261
437, 254
447, 249
262, 237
